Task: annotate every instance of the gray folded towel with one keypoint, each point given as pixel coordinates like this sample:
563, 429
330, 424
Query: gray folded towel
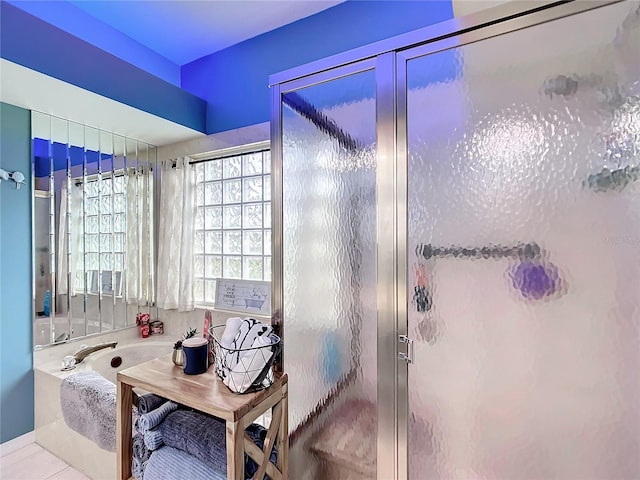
138, 467
149, 402
153, 439
140, 450
88, 403
152, 419
169, 463
204, 438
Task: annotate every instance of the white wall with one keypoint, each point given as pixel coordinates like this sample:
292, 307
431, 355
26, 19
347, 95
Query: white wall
462, 8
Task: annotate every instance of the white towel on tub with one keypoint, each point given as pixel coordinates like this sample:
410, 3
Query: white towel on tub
88, 402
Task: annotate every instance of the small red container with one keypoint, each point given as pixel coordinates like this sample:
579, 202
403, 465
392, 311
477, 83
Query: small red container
142, 321
144, 331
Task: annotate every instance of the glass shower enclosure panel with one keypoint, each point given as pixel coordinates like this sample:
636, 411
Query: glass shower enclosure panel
329, 275
524, 252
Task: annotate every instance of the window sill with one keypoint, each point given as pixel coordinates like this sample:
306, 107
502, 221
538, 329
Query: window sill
211, 307
96, 294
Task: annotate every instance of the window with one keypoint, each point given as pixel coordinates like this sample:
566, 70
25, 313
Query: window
233, 221
106, 223
104, 235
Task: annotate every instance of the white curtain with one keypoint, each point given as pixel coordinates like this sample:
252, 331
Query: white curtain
70, 239
176, 239
139, 275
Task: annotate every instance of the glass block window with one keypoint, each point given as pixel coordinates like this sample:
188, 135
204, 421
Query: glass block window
233, 221
102, 236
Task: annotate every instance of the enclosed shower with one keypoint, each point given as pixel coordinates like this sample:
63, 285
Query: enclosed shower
457, 249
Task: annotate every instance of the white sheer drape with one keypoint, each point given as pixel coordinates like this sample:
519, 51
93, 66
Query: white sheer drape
70, 239
139, 275
176, 240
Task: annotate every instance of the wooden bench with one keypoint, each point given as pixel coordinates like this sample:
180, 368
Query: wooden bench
208, 394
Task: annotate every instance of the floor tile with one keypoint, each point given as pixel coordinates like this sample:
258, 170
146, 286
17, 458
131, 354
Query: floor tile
69, 473
20, 454
39, 466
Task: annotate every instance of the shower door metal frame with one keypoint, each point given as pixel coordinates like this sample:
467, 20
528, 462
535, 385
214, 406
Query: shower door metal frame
391, 57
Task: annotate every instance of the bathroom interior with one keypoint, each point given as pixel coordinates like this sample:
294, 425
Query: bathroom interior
443, 205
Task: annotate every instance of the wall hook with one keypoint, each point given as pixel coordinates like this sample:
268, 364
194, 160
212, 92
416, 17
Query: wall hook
16, 176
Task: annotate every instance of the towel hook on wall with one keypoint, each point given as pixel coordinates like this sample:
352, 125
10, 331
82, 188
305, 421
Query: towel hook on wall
16, 176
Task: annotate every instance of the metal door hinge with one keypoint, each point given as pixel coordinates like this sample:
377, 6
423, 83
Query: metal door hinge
408, 356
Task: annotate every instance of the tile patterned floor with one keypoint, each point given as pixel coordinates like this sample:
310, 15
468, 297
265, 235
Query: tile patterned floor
34, 463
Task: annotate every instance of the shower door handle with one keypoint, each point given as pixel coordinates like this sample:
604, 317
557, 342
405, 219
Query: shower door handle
409, 356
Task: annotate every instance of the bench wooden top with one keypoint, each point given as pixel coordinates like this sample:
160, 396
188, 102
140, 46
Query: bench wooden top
204, 392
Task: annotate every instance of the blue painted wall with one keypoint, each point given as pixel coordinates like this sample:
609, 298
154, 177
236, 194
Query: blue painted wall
68, 17
224, 90
16, 316
234, 81
38, 45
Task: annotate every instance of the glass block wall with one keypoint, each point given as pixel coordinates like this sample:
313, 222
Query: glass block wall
233, 221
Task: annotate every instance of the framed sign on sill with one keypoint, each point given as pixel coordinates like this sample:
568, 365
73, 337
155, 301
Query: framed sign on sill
245, 296
102, 281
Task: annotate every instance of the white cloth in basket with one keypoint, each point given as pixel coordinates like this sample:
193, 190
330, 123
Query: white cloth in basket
230, 331
237, 368
249, 366
250, 329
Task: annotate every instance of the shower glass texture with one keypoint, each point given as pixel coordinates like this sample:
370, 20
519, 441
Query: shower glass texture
526, 365
329, 241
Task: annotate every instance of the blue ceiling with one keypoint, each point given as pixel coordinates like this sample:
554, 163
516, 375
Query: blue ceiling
161, 35
220, 90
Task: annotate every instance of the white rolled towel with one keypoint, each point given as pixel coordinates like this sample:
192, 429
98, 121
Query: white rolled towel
229, 334
250, 365
250, 329
230, 331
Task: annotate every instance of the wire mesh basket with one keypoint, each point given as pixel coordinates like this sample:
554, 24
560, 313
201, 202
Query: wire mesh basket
247, 369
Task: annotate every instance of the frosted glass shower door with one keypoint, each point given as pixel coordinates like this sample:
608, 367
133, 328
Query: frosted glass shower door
523, 158
329, 275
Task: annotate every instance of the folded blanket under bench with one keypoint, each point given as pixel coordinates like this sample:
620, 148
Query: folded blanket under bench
199, 435
204, 438
168, 463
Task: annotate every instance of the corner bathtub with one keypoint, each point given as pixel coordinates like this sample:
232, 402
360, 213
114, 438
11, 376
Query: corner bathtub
51, 430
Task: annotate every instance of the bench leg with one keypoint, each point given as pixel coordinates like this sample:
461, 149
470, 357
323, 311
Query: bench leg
123, 430
235, 451
283, 435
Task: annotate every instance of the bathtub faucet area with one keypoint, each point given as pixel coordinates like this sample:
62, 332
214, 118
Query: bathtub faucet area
80, 355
